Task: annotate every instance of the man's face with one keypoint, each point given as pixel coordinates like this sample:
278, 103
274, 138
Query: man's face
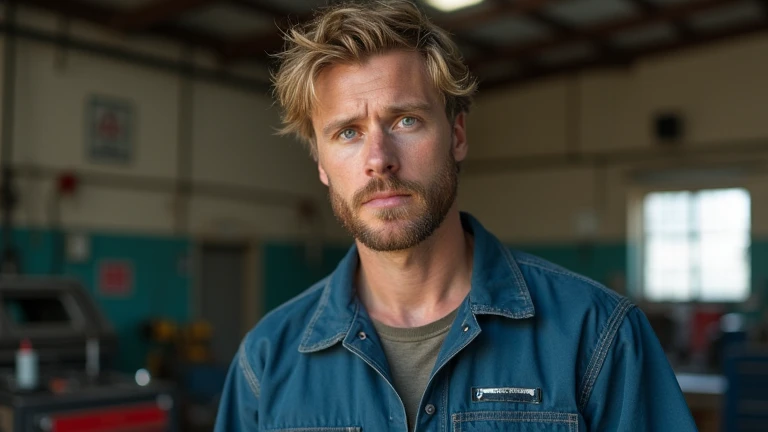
386, 149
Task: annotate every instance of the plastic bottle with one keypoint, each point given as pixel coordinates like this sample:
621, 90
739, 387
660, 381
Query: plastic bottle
92, 358
26, 366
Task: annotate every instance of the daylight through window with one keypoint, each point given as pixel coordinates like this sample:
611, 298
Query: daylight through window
696, 245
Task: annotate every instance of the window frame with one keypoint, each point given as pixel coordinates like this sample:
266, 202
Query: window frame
636, 237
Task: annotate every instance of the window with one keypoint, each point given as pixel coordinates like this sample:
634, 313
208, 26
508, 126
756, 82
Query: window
36, 310
696, 245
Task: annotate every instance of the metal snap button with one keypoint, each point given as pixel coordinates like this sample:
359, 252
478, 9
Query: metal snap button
362, 335
429, 409
466, 328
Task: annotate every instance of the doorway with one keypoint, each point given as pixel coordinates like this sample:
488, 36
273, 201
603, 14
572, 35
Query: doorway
222, 286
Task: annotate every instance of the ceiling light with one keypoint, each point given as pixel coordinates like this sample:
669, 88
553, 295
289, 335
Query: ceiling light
451, 5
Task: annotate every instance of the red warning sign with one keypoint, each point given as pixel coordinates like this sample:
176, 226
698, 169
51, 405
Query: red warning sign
115, 278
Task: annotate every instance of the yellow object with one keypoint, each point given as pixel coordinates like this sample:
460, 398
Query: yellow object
199, 331
164, 331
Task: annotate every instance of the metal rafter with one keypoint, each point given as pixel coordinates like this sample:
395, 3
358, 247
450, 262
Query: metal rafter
628, 57
156, 12
563, 31
602, 31
264, 8
102, 16
262, 43
465, 21
648, 8
154, 19
567, 30
764, 5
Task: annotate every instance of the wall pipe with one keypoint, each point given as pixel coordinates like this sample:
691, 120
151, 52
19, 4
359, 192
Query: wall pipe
684, 153
216, 190
216, 76
184, 148
9, 263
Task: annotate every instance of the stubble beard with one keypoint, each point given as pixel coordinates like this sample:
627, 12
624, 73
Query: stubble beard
405, 226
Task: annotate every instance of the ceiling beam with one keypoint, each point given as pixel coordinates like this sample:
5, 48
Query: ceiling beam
566, 31
562, 30
465, 21
261, 44
648, 8
101, 16
536, 14
666, 14
645, 6
156, 12
764, 5
264, 8
92, 13
554, 24
627, 58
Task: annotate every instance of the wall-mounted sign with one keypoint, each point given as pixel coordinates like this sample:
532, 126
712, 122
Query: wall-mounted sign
109, 130
115, 278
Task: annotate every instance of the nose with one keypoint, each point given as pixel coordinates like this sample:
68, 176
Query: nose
381, 158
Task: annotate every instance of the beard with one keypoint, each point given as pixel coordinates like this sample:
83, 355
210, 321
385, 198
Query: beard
405, 226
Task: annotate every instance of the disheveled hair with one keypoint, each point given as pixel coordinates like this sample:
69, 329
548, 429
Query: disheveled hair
351, 32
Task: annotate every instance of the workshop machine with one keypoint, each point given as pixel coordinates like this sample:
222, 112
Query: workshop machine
76, 390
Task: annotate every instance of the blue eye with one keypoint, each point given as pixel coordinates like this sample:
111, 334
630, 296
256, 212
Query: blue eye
408, 121
348, 134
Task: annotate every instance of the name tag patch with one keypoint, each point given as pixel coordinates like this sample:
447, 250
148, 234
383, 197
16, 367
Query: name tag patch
506, 394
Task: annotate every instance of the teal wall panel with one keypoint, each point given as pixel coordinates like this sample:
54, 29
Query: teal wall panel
759, 253
288, 270
288, 274
160, 285
603, 262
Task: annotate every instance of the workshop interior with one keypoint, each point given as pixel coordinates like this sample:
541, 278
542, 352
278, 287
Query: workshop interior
150, 214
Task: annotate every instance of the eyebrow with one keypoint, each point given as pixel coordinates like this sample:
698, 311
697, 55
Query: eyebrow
392, 110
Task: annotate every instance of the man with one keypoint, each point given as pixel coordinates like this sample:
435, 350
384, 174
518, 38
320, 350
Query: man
429, 323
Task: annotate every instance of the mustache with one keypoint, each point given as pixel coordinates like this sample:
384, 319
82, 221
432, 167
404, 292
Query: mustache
389, 184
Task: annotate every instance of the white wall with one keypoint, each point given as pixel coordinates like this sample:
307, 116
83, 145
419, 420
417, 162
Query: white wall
232, 143
528, 121
720, 90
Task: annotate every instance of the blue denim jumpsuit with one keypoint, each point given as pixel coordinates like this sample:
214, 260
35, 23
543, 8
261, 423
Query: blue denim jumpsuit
534, 347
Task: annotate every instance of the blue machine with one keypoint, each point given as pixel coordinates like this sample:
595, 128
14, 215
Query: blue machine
745, 408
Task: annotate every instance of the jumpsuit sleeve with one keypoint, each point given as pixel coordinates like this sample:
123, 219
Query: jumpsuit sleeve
239, 405
636, 388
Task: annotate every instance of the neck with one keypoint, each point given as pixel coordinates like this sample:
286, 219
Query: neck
417, 286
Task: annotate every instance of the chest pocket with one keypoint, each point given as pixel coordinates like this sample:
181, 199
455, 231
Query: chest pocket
515, 421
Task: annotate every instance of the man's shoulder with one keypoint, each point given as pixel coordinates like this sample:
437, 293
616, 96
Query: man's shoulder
583, 310
548, 281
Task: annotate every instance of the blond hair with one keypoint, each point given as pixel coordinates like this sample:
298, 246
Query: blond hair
350, 32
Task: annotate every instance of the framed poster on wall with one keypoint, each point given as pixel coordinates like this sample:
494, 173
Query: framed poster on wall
109, 133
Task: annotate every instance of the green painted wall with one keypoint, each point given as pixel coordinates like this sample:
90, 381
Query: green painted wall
759, 253
161, 284
603, 262
288, 271
288, 274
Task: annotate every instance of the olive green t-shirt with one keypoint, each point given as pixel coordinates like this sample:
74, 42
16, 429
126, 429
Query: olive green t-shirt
411, 354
